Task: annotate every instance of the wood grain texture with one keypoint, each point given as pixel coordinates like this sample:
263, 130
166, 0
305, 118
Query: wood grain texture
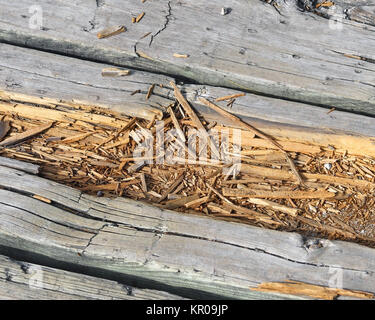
49, 79
295, 55
25, 72
19, 165
20, 280
182, 252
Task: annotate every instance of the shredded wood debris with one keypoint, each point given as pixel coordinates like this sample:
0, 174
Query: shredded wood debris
93, 150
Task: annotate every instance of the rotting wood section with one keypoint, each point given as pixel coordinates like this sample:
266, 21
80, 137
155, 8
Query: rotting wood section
94, 150
293, 55
49, 79
149, 245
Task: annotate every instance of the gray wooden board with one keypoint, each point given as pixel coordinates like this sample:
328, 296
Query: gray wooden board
20, 280
40, 74
183, 252
20, 165
295, 55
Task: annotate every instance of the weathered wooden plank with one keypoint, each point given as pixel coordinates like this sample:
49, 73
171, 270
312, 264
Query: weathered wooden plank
19, 165
49, 79
296, 55
20, 280
182, 252
26, 72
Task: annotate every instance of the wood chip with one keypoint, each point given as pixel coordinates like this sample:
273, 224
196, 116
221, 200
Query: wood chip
178, 55
276, 206
150, 90
176, 124
172, 186
46, 200
248, 192
135, 92
143, 182
110, 186
325, 4
139, 17
76, 138
331, 110
114, 72
145, 35
111, 31
197, 202
25, 135
177, 203
232, 96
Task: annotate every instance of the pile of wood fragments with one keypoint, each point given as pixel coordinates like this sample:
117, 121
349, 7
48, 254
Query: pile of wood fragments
279, 185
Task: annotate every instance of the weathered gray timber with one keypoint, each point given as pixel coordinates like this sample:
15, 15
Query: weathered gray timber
26, 281
293, 55
19, 165
187, 255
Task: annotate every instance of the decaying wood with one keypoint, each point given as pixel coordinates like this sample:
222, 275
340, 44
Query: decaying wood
70, 82
248, 192
24, 135
156, 246
193, 117
174, 204
274, 205
98, 158
250, 128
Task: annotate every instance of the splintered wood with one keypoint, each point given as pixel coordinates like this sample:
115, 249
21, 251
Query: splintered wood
187, 164
310, 290
111, 31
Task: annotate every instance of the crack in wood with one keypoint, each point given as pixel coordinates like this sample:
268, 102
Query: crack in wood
167, 19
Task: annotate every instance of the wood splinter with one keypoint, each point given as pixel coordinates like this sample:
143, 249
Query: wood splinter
111, 31
114, 72
185, 105
249, 127
139, 17
178, 55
